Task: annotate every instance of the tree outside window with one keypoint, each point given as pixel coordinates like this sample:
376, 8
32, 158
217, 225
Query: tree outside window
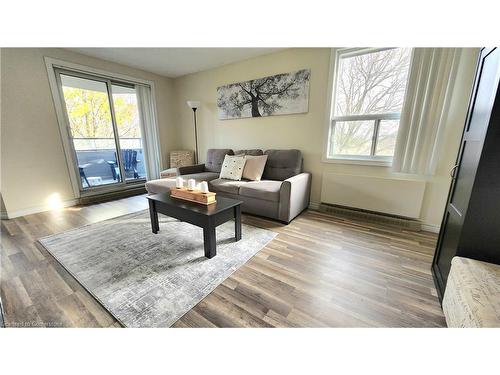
369, 93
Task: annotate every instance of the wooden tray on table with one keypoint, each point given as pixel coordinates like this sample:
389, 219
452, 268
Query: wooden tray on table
195, 196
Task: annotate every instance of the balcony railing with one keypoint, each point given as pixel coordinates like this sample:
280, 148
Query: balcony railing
96, 157
83, 144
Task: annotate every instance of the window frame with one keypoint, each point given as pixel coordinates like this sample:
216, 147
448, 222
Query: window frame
331, 119
54, 67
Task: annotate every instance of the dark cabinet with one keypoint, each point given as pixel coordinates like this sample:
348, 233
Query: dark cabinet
471, 222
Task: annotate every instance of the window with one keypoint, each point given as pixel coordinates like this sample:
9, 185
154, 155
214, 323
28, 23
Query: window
367, 99
104, 129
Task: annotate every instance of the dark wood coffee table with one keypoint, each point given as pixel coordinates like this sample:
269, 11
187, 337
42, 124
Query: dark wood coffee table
206, 217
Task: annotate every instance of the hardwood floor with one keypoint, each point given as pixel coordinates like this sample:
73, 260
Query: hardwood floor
320, 271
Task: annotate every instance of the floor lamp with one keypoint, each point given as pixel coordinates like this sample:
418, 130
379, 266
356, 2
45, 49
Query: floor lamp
194, 105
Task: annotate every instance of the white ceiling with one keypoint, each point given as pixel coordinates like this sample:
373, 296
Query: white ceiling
174, 62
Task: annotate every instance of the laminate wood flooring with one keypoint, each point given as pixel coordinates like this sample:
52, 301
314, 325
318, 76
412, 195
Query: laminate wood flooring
319, 271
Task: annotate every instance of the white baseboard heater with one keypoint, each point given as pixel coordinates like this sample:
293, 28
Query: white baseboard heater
393, 196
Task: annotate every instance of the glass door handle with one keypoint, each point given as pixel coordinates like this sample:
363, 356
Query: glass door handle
453, 170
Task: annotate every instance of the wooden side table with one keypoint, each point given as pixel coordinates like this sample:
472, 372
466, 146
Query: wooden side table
181, 158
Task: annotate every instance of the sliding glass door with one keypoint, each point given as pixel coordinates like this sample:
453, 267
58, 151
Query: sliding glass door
105, 130
129, 131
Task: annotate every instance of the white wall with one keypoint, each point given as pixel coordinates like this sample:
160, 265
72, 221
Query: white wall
33, 164
305, 131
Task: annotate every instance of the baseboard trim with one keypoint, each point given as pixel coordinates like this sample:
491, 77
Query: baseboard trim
314, 206
36, 209
381, 218
374, 217
113, 195
431, 228
136, 190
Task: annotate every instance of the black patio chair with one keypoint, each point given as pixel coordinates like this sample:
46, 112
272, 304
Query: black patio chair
83, 176
129, 158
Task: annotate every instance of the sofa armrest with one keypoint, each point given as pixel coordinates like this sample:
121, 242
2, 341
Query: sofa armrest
169, 173
190, 169
294, 196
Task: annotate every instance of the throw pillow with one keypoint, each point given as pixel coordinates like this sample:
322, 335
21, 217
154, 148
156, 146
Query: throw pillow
232, 167
254, 167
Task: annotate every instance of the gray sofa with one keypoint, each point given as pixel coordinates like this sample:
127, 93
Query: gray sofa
282, 194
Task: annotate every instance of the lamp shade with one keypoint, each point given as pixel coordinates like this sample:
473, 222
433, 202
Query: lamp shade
193, 104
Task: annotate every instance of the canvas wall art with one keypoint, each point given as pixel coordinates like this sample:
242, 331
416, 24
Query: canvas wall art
280, 94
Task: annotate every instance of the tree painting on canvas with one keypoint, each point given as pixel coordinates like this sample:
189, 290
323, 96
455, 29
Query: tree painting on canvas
280, 94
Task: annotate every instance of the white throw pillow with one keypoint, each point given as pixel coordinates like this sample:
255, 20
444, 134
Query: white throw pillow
254, 167
232, 167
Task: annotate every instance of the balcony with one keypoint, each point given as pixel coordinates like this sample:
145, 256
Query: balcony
97, 160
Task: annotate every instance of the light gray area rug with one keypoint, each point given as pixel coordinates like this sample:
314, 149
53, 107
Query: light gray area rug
148, 280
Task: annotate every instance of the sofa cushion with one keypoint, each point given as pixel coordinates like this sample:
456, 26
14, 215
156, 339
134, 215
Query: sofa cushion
282, 164
199, 177
266, 190
226, 186
215, 158
160, 186
253, 152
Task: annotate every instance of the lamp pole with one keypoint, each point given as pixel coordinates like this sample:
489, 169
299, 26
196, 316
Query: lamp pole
194, 105
195, 137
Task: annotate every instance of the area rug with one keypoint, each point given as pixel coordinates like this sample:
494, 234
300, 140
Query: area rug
148, 280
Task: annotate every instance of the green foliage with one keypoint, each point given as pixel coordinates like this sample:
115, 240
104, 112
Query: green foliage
90, 115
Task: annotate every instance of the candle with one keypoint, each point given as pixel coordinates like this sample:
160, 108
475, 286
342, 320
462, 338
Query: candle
191, 184
179, 182
204, 187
